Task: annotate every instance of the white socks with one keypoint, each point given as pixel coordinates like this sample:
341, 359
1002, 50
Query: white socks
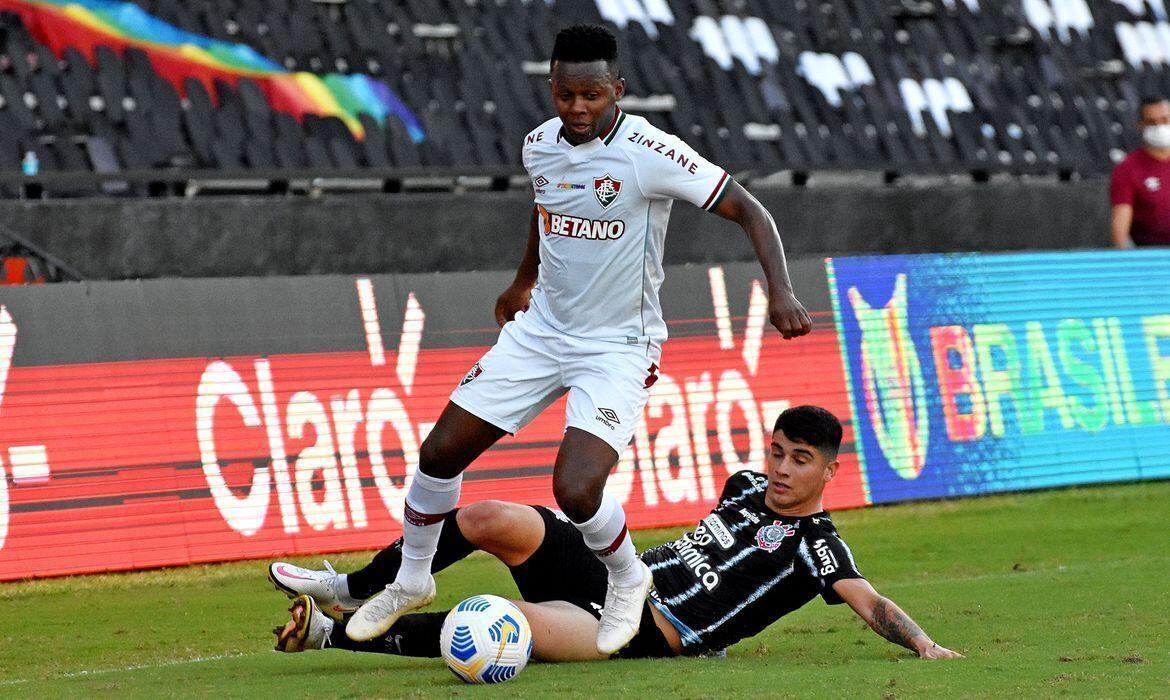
605, 533
427, 502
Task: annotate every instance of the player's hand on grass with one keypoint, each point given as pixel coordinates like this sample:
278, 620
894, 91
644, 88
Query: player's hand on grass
935, 651
515, 298
788, 315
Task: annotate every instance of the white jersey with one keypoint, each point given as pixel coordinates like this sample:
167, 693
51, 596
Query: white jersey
602, 212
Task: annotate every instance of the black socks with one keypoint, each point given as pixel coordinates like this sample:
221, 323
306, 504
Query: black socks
416, 634
380, 572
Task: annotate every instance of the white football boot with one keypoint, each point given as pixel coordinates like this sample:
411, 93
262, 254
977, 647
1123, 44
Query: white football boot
378, 614
308, 629
622, 614
293, 581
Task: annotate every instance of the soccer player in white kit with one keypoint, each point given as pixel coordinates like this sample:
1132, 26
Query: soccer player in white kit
582, 317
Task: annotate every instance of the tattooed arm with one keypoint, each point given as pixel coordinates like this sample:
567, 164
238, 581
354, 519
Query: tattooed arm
888, 620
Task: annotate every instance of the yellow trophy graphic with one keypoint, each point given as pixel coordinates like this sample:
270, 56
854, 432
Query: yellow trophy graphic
891, 375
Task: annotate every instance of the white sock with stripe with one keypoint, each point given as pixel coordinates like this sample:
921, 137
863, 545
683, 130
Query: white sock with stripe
428, 502
606, 534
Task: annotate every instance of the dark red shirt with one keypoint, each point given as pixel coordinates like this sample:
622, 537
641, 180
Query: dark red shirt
1143, 182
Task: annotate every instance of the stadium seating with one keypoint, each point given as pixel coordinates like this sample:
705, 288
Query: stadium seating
901, 86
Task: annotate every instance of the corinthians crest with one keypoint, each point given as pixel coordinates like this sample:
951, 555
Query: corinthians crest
770, 537
895, 392
606, 189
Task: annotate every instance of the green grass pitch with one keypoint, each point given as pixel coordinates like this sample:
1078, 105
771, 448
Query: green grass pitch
1065, 593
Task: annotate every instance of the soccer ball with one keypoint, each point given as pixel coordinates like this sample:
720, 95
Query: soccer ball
486, 639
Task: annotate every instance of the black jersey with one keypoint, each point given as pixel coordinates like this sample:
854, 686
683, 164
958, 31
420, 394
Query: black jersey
744, 567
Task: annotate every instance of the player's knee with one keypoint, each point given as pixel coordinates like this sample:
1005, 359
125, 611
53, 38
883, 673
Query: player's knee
434, 458
482, 523
576, 499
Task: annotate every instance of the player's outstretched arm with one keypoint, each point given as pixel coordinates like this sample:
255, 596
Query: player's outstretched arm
786, 313
515, 297
887, 619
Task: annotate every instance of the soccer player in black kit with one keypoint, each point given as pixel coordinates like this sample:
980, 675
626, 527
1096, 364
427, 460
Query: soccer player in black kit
766, 549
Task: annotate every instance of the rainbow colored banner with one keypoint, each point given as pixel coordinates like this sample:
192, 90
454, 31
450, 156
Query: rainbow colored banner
177, 54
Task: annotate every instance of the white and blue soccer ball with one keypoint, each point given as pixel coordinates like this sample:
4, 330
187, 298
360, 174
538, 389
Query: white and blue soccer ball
486, 639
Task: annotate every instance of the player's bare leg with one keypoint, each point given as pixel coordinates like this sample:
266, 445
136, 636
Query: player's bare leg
583, 465
508, 531
456, 440
561, 631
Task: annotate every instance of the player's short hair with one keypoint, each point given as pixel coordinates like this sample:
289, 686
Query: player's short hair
583, 43
812, 425
1150, 101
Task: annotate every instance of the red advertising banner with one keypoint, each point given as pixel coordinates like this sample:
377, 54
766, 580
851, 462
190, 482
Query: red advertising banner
144, 463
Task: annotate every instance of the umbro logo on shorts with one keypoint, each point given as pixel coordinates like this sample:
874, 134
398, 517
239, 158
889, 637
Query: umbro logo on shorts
608, 417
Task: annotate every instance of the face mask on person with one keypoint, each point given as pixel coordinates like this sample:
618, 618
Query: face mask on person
1157, 135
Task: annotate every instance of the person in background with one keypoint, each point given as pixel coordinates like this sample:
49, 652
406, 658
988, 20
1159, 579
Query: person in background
1140, 187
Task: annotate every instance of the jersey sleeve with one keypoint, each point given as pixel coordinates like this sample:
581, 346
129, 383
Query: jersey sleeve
1121, 185
732, 487
526, 155
830, 561
667, 168
528, 148
740, 483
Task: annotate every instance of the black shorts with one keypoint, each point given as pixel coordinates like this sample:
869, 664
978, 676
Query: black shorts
563, 568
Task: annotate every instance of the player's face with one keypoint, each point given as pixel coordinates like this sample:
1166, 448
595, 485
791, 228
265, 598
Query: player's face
797, 474
585, 96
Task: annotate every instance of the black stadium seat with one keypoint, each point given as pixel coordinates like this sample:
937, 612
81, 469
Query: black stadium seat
1000, 94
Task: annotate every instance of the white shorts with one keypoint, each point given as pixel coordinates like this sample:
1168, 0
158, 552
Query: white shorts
531, 366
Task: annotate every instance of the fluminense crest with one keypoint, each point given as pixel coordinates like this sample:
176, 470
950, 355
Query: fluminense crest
606, 189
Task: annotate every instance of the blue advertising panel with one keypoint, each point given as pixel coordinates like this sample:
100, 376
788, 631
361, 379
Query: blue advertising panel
982, 373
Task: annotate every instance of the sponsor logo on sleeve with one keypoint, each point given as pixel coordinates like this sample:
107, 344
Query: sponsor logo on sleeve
685, 160
828, 559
